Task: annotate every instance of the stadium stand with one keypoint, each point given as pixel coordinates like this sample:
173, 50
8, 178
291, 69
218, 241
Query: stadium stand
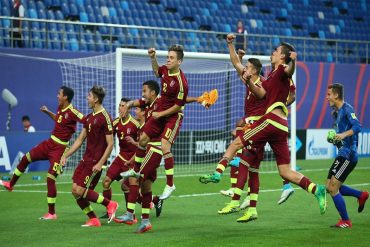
302, 22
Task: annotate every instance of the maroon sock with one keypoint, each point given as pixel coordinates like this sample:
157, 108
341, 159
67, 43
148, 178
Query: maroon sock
83, 204
52, 193
147, 198
22, 166
304, 184
108, 193
241, 180
254, 186
93, 196
168, 165
132, 196
223, 162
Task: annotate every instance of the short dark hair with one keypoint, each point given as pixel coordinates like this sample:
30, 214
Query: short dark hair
67, 91
25, 118
152, 85
179, 49
99, 92
125, 99
256, 63
337, 88
286, 48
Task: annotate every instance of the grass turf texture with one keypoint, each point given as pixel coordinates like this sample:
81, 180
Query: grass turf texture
189, 217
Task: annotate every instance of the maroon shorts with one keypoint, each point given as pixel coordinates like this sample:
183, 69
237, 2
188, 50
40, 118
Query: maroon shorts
167, 128
151, 162
117, 167
272, 129
83, 174
253, 156
48, 150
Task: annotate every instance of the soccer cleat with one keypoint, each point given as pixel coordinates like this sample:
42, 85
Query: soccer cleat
320, 195
6, 185
167, 192
362, 200
94, 222
343, 224
214, 178
245, 204
104, 216
287, 192
231, 207
144, 227
126, 218
158, 208
248, 216
111, 210
229, 192
129, 173
48, 216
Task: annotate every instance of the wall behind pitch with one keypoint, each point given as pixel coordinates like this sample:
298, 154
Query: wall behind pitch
36, 82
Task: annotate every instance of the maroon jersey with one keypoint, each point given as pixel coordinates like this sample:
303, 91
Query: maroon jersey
174, 89
149, 108
277, 86
65, 122
254, 107
97, 126
123, 129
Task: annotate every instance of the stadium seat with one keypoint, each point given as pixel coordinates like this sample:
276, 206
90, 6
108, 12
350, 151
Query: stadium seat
84, 17
32, 14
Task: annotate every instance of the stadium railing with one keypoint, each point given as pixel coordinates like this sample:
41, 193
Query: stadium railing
102, 37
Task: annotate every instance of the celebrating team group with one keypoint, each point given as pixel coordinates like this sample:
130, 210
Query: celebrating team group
147, 139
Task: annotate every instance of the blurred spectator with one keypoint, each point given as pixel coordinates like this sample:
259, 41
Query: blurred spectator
27, 127
16, 31
241, 32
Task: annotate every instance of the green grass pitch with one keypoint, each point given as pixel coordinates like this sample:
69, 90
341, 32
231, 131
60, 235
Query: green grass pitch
189, 217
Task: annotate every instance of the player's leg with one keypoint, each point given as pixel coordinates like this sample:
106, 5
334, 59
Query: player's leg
40, 152
228, 155
129, 217
361, 196
337, 174
234, 205
288, 190
169, 134
146, 190
234, 167
85, 189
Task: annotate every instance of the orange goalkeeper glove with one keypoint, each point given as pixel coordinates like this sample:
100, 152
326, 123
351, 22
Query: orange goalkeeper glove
213, 97
204, 98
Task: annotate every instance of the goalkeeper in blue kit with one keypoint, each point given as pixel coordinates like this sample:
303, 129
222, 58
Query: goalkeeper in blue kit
345, 138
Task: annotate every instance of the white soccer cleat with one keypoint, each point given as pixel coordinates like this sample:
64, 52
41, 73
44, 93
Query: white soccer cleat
167, 192
129, 173
245, 204
229, 192
286, 194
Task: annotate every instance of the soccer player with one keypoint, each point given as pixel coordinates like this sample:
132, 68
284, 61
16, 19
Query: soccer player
272, 127
52, 149
166, 120
97, 131
347, 128
125, 127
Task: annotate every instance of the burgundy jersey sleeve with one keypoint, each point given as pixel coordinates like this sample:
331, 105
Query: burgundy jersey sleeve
162, 70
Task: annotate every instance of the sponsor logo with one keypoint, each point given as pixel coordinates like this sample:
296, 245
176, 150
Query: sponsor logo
4, 155
210, 147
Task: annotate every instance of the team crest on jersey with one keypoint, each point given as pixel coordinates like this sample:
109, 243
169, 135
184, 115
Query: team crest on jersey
66, 116
128, 131
172, 83
95, 121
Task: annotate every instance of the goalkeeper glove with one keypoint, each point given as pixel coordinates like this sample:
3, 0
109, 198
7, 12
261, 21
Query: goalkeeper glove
331, 139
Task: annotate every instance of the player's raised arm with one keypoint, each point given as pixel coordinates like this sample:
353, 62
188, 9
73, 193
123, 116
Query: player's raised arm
48, 112
153, 59
235, 60
292, 94
128, 105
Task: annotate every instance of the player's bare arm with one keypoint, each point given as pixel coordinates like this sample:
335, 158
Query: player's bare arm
291, 98
47, 111
104, 158
153, 59
173, 109
289, 70
257, 90
128, 105
235, 59
76, 145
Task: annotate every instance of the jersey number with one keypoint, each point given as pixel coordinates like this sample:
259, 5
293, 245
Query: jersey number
164, 87
60, 119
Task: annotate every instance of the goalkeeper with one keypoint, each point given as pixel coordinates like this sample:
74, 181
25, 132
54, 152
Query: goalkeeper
345, 138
